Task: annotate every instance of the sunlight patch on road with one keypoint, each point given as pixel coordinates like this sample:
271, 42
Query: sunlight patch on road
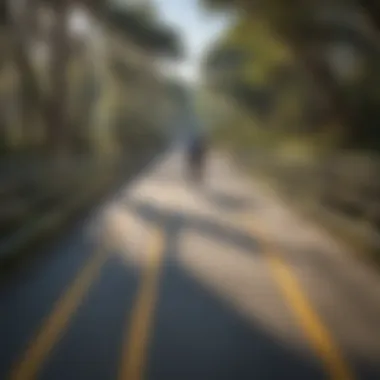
313, 327
242, 279
171, 196
126, 234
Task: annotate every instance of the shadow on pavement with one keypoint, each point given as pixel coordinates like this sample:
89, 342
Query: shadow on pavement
228, 202
197, 335
176, 221
340, 277
197, 326
200, 335
358, 302
90, 347
93, 344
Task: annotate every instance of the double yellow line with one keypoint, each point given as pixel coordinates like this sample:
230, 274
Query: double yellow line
30, 364
138, 332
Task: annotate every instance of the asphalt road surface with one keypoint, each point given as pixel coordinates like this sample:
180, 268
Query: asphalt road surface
169, 280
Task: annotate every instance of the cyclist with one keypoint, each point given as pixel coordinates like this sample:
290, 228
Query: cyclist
197, 153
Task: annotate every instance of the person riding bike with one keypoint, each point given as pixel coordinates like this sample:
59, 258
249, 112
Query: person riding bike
197, 153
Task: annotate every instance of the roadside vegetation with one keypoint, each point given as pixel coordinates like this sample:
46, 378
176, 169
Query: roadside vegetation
297, 88
76, 80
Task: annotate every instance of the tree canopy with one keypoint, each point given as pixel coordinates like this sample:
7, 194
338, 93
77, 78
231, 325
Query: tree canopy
145, 31
317, 34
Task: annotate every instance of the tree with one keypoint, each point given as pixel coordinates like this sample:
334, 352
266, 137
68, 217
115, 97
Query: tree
145, 31
22, 22
48, 105
310, 29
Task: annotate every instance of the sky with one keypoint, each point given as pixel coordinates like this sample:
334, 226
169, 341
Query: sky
197, 29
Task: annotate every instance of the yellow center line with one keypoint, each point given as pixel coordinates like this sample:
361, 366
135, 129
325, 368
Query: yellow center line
137, 338
53, 328
313, 327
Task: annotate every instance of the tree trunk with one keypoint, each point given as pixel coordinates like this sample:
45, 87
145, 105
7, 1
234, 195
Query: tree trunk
57, 117
30, 95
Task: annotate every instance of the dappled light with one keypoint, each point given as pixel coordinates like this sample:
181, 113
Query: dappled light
189, 190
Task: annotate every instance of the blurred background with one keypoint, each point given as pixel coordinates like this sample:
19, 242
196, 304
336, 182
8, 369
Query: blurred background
291, 89
83, 99
296, 86
92, 91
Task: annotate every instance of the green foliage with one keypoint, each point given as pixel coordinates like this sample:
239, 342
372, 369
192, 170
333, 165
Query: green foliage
310, 30
4, 13
263, 80
145, 31
105, 87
